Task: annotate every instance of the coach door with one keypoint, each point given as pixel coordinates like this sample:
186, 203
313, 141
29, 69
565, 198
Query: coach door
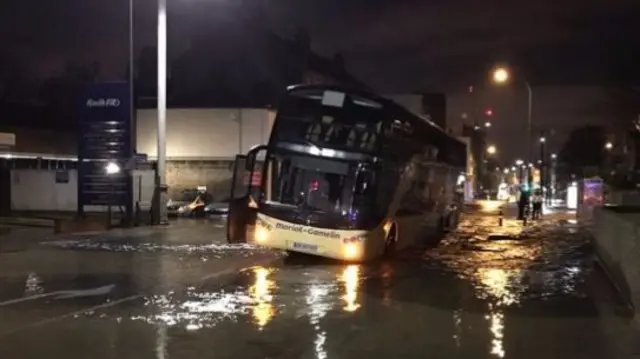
245, 188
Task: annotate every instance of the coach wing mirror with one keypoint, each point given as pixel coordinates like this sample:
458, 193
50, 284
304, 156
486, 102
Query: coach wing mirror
253, 169
252, 155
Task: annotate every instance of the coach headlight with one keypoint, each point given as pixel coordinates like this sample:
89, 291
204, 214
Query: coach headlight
261, 235
352, 251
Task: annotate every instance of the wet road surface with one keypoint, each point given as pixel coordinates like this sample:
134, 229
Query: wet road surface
485, 292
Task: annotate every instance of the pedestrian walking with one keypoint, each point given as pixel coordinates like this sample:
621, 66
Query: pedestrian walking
523, 202
537, 205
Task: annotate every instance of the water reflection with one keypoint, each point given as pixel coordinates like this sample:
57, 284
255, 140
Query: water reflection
387, 279
319, 306
260, 291
161, 341
33, 285
457, 324
500, 285
497, 283
196, 309
351, 279
496, 326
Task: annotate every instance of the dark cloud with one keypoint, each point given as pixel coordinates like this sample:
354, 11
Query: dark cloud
399, 44
48, 34
391, 44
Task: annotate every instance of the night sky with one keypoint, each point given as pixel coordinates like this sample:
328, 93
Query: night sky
393, 45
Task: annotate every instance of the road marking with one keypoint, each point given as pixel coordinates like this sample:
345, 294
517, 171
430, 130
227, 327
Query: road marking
77, 312
25, 299
67, 294
64, 294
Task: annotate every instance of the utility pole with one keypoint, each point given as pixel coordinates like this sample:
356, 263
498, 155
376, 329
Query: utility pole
132, 111
543, 163
161, 180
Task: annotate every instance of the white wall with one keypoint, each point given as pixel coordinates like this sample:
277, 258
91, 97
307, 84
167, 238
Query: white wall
37, 190
205, 133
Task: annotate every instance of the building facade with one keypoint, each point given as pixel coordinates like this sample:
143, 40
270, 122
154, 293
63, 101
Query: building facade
432, 106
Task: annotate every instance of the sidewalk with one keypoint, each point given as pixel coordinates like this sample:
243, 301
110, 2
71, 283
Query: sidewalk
176, 232
179, 233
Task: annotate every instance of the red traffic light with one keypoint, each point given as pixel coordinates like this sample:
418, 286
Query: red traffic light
489, 112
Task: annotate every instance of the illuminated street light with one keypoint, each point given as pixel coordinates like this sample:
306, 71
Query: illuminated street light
492, 150
500, 75
530, 164
506, 170
487, 124
554, 156
519, 162
543, 139
112, 168
608, 145
514, 168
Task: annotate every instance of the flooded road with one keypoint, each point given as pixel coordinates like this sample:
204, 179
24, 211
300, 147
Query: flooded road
485, 292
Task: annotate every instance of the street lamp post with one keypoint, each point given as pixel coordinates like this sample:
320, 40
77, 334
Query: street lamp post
529, 115
133, 136
161, 186
501, 76
543, 163
131, 70
608, 166
488, 175
552, 187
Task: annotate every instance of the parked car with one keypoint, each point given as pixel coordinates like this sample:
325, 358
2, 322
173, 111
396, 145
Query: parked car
217, 207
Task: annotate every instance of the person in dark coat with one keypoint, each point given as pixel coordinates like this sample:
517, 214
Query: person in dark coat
523, 201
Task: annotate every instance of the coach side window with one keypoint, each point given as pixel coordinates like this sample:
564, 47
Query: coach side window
388, 181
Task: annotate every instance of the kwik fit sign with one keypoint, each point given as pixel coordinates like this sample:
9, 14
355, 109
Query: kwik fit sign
105, 123
104, 136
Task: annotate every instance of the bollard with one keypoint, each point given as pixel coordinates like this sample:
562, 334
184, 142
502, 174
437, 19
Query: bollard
500, 217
